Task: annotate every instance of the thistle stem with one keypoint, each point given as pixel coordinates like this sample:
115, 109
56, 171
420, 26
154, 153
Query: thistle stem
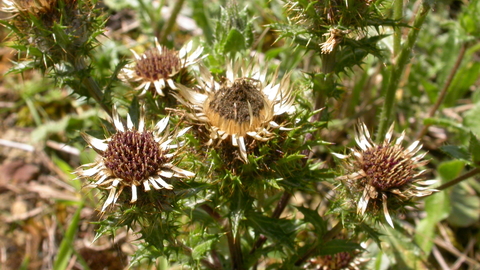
233, 241
235, 249
459, 179
443, 92
92, 86
167, 29
327, 237
398, 69
397, 32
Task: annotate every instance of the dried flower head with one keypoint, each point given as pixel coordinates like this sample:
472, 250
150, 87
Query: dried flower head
385, 174
337, 261
245, 103
132, 157
160, 67
34, 7
334, 37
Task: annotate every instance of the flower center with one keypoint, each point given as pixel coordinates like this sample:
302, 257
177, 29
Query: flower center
387, 167
239, 102
155, 65
133, 156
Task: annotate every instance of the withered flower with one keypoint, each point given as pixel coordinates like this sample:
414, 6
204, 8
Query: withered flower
338, 261
334, 37
34, 7
385, 174
160, 67
131, 157
244, 104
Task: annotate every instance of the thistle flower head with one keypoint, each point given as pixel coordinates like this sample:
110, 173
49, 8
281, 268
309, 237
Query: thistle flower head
385, 174
243, 106
160, 67
132, 157
338, 261
38, 7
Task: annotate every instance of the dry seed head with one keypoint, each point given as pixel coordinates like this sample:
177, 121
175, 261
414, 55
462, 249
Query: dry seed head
237, 107
384, 174
386, 166
338, 261
37, 8
154, 65
243, 106
133, 156
160, 68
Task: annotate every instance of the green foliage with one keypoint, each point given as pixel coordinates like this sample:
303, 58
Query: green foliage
66, 247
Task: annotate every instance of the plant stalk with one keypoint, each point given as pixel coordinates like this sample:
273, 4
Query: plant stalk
235, 249
397, 31
443, 92
459, 179
92, 86
398, 69
167, 29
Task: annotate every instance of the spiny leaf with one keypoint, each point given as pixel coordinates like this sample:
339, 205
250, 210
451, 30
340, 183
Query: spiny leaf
281, 231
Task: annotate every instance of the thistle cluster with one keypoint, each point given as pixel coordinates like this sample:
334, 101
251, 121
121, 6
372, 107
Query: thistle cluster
54, 31
244, 104
207, 151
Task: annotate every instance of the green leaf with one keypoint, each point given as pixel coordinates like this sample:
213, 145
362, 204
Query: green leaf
464, 79
469, 19
447, 123
372, 233
315, 219
281, 231
338, 245
449, 170
20, 67
474, 149
66, 246
406, 253
465, 205
457, 152
202, 248
202, 18
240, 202
437, 206
471, 119
235, 41
134, 111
